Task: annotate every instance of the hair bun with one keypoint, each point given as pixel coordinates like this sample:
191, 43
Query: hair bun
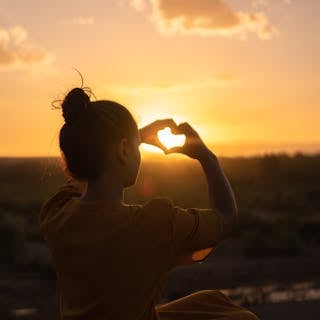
74, 104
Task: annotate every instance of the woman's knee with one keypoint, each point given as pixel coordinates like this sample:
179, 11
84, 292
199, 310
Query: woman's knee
205, 293
220, 301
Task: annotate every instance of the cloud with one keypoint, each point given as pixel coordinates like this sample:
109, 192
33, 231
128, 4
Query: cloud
16, 51
207, 18
81, 20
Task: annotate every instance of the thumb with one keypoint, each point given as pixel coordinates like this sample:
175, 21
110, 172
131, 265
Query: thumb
173, 150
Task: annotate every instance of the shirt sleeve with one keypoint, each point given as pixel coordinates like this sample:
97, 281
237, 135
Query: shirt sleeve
191, 233
197, 231
71, 188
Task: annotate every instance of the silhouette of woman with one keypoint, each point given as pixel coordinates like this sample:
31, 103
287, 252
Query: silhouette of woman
113, 259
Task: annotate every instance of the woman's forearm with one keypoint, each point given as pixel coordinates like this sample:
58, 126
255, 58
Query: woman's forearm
220, 192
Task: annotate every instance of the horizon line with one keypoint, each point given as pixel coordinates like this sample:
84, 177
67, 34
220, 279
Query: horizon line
241, 149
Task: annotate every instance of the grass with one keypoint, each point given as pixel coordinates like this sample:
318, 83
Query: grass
275, 195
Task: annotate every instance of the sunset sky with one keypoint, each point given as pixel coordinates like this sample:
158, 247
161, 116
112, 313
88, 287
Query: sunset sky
244, 73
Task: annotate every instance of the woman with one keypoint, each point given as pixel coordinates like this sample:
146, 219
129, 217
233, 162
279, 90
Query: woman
112, 259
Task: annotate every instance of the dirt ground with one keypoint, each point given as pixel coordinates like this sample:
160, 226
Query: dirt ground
39, 296
33, 293
289, 310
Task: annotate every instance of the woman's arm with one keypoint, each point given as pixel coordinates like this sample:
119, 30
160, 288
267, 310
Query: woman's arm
220, 193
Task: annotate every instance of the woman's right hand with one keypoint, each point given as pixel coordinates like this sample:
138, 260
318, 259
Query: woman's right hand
194, 147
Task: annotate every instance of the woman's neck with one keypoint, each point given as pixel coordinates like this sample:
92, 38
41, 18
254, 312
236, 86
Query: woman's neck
106, 187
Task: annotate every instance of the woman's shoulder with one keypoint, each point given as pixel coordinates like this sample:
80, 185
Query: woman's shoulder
67, 191
156, 210
158, 202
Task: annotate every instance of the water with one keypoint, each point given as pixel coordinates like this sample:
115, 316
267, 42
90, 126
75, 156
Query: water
274, 293
245, 295
24, 312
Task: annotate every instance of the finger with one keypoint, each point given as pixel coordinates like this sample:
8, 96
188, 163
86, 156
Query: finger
156, 142
185, 126
173, 150
186, 129
163, 123
160, 145
162, 148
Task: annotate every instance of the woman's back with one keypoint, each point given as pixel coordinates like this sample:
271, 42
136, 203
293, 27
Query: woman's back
113, 260
100, 260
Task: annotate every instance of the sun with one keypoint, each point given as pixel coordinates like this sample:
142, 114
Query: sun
170, 140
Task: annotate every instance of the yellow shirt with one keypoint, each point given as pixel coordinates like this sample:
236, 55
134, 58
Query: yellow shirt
111, 260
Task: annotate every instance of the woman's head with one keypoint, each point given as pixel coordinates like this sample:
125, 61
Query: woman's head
97, 136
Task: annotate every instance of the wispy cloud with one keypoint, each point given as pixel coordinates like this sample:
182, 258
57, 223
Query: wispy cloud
207, 18
16, 50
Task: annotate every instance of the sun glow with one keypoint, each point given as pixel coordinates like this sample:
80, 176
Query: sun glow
170, 140
147, 148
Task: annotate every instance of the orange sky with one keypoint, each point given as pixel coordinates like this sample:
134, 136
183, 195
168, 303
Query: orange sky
244, 73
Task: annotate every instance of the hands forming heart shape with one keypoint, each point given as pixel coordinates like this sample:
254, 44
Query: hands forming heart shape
164, 134
172, 138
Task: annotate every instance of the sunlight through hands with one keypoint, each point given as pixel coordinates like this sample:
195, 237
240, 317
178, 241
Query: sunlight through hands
170, 140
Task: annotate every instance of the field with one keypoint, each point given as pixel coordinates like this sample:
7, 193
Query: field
271, 264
